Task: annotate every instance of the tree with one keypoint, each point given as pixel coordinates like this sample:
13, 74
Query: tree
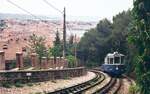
56, 51
71, 40
92, 47
140, 37
37, 45
71, 61
104, 38
2, 25
70, 46
57, 39
57, 46
121, 23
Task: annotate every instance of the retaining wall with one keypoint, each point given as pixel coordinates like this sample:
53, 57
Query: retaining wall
40, 75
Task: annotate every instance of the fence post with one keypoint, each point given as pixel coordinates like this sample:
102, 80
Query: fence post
44, 63
2, 60
34, 60
19, 60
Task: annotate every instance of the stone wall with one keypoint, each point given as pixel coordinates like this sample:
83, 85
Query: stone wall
40, 75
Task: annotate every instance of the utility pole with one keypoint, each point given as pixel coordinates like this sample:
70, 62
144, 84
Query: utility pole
64, 34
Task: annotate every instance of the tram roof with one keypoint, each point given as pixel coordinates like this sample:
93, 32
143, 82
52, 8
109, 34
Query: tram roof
115, 54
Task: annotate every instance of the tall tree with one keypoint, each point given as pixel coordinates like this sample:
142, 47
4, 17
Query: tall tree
92, 47
57, 39
120, 30
140, 37
71, 39
70, 46
56, 50
104, 38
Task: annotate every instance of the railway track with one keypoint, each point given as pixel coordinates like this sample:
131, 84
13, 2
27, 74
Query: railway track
110, 88
114, 86
80, 88
97, 85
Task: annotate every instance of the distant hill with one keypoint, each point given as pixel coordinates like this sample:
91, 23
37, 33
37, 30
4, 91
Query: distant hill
69, 18
24, 17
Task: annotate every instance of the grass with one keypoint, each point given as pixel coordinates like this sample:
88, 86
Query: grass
133, 89
29, 84
53, 81
6, 84
19, 84
67, 78
38, 93
9, 85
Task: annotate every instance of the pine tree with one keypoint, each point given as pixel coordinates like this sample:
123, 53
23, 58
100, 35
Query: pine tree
56, 50
71, 39
140, 37
2, 25
57, 39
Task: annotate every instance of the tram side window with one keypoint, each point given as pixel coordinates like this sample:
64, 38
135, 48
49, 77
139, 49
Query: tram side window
122, 59
111, 61
117, 60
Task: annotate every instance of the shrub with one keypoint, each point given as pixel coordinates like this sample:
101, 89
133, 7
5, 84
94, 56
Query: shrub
18, 84
133, 89
29, 84
71, 61
6, 84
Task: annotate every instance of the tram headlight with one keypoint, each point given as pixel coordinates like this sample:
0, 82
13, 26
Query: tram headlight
117, 68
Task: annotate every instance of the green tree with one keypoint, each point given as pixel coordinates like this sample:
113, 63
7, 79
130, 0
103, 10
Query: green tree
70, 46
57, 46
121, 23
37, 45
104, 38
92, 46
71, 61
56, 50
57, 39
71, 40
2, 25
140, 37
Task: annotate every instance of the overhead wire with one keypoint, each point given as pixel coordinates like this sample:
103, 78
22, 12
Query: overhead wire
55, 8
14, 4
49, 4
52, 6
23, 9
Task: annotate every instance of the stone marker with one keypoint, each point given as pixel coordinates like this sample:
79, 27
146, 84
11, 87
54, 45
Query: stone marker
44, 64
19, 60
2, 60
34, 60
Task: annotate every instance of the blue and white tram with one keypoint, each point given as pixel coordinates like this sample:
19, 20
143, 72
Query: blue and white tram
114, 64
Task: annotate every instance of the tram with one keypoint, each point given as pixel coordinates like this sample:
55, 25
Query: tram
114, 64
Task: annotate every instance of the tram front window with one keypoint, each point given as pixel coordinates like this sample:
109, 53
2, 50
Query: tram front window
117, 60
111, 61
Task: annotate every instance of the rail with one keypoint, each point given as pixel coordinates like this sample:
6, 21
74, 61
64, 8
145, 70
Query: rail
80, 88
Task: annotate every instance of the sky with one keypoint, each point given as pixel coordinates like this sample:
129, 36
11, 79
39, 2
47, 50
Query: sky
84, 8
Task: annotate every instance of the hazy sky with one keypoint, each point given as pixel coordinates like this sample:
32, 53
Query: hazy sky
92, 8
